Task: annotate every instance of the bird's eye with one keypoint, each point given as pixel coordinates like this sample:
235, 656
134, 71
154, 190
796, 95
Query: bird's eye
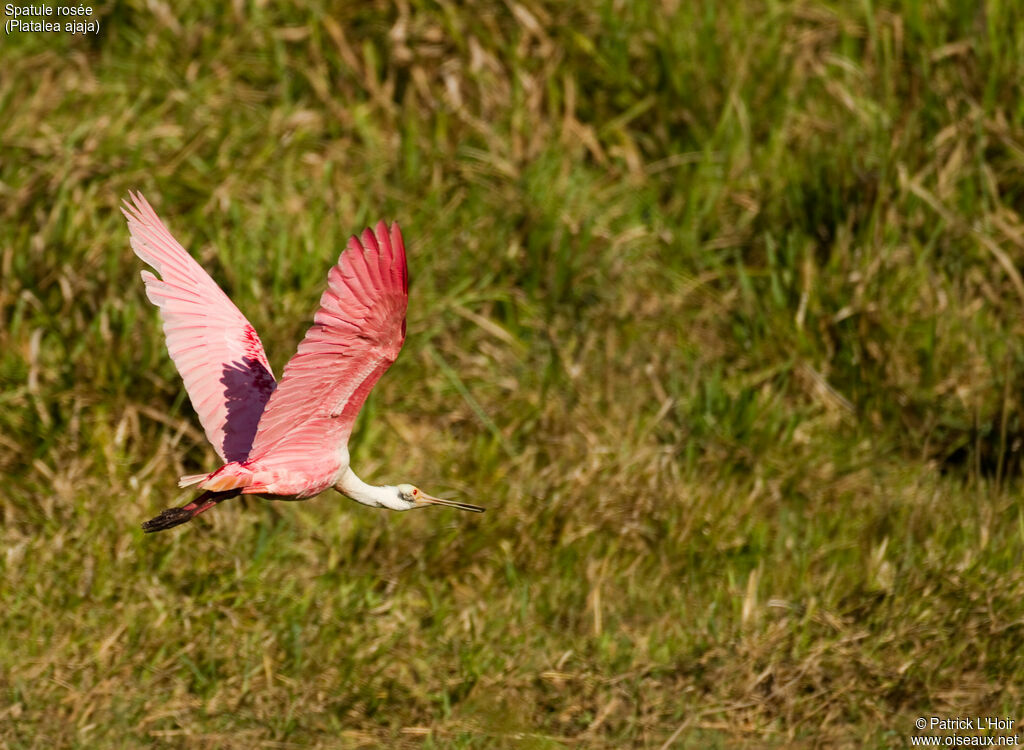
415, 491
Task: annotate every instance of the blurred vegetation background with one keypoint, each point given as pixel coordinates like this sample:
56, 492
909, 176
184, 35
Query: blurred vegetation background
716, 306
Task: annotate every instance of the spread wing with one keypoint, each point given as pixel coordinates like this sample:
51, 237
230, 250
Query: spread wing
356, 335
216, 350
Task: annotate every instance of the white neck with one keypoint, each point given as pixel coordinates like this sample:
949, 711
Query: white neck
376, 497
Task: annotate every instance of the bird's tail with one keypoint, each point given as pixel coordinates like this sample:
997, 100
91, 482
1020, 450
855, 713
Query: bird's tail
176, 516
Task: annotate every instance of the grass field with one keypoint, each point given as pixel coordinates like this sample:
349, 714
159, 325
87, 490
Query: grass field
716, 306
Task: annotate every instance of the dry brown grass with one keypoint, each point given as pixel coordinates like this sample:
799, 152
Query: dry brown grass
716, 308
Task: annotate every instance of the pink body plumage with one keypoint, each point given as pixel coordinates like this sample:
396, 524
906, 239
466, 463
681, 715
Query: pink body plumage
286, 439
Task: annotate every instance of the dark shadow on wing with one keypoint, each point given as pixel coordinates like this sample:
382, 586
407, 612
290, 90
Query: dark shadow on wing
247, 388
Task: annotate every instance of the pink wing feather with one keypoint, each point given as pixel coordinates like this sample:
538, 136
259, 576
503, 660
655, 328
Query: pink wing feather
216, 350
356, 335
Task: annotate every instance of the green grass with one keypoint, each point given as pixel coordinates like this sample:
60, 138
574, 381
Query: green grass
716, 306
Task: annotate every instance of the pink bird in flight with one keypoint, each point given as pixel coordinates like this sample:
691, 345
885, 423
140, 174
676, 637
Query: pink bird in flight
286, 440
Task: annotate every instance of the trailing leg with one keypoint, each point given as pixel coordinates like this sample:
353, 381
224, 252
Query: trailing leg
176, 516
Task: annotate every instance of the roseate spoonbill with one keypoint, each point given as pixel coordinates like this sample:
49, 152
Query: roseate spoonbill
286, 440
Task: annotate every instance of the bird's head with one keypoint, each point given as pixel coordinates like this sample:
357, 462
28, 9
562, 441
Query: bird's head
413, 497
